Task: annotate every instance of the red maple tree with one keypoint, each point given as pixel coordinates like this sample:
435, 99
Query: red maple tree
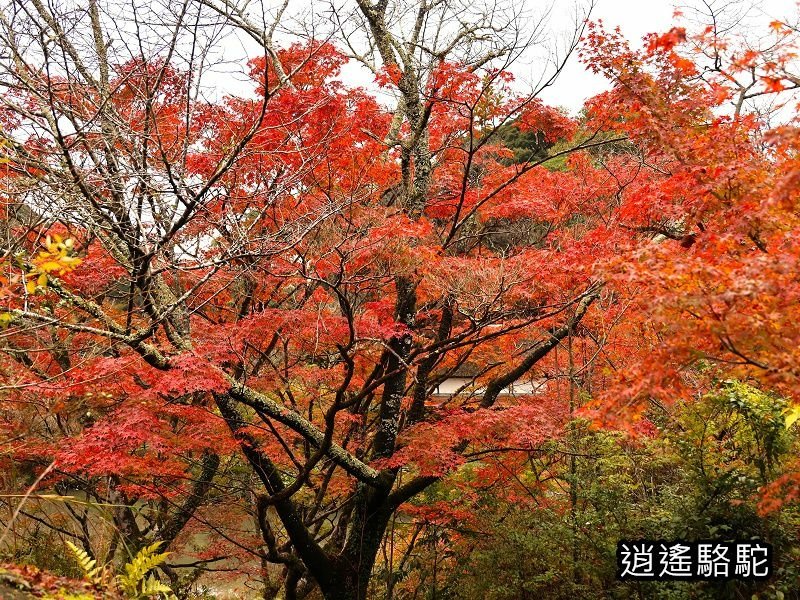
244, 308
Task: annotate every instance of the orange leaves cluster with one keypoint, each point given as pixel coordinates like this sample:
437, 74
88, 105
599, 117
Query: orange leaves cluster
429, 448
551, 121
296, 254
139, 443
666, 41
714, 288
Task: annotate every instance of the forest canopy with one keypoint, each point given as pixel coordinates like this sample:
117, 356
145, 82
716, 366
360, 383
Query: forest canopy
268, 330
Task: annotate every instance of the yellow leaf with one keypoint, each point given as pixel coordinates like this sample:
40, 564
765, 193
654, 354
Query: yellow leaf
50, 266
792, 415
30, 286
71, 261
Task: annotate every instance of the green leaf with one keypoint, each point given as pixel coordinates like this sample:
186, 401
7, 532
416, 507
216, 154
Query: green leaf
136, 572
86, 563
153, 586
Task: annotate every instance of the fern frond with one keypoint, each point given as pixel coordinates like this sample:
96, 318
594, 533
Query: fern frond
87, 564
152, 586
134, 581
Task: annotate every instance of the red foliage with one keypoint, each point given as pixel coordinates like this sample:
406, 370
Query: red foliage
302, 280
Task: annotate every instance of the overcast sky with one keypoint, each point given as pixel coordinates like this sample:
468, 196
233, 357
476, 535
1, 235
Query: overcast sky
636, 18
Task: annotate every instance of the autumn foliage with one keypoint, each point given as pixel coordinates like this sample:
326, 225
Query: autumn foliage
228, 320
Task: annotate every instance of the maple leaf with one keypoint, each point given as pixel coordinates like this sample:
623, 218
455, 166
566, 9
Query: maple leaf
777, 26
773, 84
667, 41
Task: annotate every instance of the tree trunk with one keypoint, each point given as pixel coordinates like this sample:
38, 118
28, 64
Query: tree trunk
353, 568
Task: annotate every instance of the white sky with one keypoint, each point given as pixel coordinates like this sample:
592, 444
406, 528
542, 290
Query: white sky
575, 84
636, 18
